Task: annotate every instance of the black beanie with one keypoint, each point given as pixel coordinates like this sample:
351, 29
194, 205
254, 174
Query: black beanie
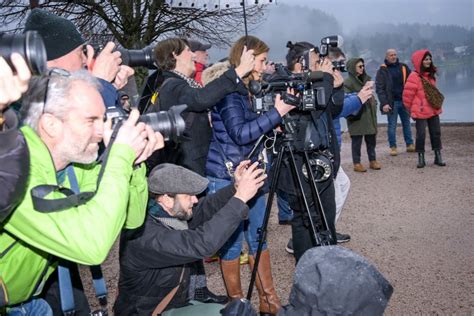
60, 36
297, 50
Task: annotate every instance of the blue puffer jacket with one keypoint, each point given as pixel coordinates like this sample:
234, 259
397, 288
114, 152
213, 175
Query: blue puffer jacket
236, 128
351, 105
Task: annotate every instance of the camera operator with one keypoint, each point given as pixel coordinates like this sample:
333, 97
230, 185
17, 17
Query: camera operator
65, 49
179, 230
236, 133
63, 116
305, 56
13, 151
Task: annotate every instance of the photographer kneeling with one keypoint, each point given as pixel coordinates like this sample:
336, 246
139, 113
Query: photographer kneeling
63, 116
155, 258
314, 132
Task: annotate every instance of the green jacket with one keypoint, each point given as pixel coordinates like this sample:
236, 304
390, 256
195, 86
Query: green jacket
30, 240
367, 124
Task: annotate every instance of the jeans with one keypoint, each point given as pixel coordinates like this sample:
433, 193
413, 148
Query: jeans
398, 110
34, 307
356, 144
434, 130
232, 247
285, 213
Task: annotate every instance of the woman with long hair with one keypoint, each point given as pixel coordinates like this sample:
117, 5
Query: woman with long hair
236, 131
422, 100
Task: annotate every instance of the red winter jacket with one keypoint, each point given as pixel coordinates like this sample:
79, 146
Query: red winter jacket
413, 93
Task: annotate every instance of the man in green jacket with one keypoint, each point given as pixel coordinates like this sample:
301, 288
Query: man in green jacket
63, 115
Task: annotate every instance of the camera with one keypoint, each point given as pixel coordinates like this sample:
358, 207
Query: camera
130, 57
169, 123
329, 41
29, 45
310, 96
339, 65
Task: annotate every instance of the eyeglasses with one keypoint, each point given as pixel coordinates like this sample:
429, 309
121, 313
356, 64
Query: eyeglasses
360, 66
51, 72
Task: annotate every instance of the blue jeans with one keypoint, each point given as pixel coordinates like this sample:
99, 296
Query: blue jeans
398, 110
34, 307
232, 247
285, 213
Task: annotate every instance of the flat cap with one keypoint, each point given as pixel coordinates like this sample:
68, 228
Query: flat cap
172, 179
195, 46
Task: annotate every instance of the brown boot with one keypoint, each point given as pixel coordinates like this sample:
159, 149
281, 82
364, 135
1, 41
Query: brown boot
375, 165
231, 275
269, 301
358, 167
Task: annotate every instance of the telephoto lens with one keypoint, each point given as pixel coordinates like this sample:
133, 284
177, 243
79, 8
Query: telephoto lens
169, 123
29, 45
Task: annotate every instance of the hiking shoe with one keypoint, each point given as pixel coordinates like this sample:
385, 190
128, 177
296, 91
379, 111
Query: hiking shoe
411, 148
342, 238
393, 151
375, 165
289, 246
358, 167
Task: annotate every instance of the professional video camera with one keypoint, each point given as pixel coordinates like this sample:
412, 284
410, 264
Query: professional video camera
169, 123
310, 96
131, 57
29, 45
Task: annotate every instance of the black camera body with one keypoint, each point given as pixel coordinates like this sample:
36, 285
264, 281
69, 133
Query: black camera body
310, 97
29, 45
169, 123
130, 57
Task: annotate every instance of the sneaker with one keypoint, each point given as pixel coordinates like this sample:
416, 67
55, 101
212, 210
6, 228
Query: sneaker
342, 238
244, 258
358, 167
375, 165
393, 151
411, 148
289, 246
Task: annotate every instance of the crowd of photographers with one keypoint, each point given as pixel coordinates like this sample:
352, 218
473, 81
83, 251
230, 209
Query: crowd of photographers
177, 186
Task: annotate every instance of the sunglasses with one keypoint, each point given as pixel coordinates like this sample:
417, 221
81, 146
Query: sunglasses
52, 72
360, 66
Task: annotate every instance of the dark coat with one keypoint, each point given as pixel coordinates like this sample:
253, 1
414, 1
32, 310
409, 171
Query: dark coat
384, 82
153, 256
14, 165
367, 124
192, 152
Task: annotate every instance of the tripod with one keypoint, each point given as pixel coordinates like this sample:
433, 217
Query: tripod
322, 237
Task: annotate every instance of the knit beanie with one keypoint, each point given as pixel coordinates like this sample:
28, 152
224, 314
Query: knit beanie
60, 35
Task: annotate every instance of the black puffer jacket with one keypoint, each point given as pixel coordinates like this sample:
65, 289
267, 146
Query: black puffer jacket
14, 165
153, 256
192, 152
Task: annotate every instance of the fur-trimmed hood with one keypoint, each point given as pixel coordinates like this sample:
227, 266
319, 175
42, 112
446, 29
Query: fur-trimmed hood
214, 72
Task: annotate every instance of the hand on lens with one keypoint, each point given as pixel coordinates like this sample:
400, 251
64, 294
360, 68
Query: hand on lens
326, 66
247, 62
107, 63
250, 181
12, 86
122, 76
155, 141
338, 79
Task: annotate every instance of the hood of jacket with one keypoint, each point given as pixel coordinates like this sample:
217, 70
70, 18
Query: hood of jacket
417, 59
215, 71
351, 70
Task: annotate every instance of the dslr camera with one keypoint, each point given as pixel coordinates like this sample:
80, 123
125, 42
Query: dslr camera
332, 41
169, 123
29, 45
130, 57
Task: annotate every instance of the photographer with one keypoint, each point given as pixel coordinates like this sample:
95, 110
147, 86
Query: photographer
63, 116
13, 151
236, 132
155, 258
316, 131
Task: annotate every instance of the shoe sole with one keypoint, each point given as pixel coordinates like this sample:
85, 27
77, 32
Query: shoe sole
343, 241
289, 250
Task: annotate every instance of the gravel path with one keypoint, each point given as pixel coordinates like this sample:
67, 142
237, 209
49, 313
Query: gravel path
416, 225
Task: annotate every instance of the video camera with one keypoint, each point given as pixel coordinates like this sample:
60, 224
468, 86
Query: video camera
310, 96
169, 123
29, 45
130, 57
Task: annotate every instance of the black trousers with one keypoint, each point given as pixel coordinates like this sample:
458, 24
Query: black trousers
434, 129
356, 144
302, 232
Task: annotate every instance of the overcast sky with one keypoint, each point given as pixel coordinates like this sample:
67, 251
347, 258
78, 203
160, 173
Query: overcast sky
351, 13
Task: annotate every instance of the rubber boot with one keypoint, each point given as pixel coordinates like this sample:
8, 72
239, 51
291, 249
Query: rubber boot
438, 160
421, 160
269, 301
231, 275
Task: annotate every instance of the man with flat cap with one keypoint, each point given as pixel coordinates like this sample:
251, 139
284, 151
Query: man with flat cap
155, 258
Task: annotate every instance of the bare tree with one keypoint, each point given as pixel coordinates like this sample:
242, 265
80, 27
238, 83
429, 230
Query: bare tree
137, 23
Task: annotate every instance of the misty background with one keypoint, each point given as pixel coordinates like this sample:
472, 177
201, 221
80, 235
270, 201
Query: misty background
370, 27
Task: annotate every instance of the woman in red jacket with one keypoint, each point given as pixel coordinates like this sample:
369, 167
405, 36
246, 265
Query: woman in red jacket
416, 102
